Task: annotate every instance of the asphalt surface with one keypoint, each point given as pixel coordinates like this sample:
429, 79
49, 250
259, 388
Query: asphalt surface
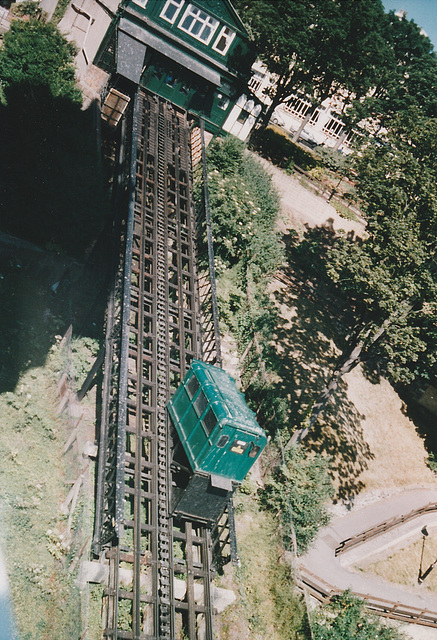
338, 571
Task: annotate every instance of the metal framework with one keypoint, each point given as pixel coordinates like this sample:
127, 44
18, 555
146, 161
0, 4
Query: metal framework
159, 569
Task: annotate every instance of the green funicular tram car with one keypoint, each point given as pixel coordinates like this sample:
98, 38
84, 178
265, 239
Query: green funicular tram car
216, 443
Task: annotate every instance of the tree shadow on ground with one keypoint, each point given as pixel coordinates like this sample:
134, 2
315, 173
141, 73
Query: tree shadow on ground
53, 202
51, 182
311, 327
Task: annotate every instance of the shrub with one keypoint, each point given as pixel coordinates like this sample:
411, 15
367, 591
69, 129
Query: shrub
244, 208
298, 489
332, 159
280, 150
345, 617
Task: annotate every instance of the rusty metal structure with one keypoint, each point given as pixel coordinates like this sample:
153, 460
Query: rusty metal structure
159, 568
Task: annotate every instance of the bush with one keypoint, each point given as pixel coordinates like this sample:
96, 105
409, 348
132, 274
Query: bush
298, 489
280, 150
244, 209
345, 617
332, 159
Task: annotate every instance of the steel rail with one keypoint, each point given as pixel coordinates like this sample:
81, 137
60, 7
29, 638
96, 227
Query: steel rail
160, 335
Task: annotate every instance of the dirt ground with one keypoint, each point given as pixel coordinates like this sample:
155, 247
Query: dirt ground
393, 454
397, 455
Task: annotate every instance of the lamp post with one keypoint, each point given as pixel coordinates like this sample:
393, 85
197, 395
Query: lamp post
421, 577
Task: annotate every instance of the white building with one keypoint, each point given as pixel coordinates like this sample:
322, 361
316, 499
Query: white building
324, 128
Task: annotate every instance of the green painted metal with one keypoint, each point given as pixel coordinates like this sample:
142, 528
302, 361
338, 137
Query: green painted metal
217, 430
170, 68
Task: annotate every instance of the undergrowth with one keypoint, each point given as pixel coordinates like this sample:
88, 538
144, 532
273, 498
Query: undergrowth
268, 604
39, 541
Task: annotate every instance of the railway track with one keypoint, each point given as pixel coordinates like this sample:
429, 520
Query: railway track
159, 568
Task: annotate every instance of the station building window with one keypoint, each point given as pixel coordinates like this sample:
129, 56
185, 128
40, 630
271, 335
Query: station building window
140, 3
334, 128
198, 24
242, 117
224, 40
171, 10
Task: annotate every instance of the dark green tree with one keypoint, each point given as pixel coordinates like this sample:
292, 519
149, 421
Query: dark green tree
298, 490
36, 54
320, 48
51, 183
345, 618
408, 79
391, 275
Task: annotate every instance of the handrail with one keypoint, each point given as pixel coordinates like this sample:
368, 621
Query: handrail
215, 311
378, 529
324, 592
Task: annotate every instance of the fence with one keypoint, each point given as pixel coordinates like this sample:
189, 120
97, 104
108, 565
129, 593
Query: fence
325, 591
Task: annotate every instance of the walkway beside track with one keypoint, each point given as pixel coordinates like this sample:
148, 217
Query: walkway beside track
374, 530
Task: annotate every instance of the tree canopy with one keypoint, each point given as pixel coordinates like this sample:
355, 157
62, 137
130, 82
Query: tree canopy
390, 277
407, 80
51, 183
36, 54
298, 489
377, 64
321, 48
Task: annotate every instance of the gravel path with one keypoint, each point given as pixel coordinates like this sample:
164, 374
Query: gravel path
301, 208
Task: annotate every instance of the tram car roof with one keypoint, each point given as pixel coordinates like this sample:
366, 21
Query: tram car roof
218, 431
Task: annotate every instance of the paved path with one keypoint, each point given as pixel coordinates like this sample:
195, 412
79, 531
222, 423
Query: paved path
337, 571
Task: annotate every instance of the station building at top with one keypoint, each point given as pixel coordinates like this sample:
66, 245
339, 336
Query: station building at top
195, 53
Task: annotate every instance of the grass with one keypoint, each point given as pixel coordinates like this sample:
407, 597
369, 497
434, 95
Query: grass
40, 542
33, 484
268, 605
402, 567
343, 210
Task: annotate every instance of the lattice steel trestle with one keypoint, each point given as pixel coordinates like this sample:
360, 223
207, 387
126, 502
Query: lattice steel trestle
159, 569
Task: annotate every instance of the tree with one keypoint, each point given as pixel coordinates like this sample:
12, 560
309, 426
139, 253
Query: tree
298, 489
346, 617
408, 79
391, 276
320, 48
51, 182
35, 54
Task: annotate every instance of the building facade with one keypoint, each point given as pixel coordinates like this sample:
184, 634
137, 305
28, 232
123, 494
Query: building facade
193, 53
325, 126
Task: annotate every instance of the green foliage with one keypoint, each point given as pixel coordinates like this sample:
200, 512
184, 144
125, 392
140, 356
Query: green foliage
28, 8
407, 81
226, 155
269, 606
431, 461
33, 482
281, 151
391, 276
244, 208
36, 54
343, 210
321, 48
60, 10
345, 617
51, 184
332, 159
298, 489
